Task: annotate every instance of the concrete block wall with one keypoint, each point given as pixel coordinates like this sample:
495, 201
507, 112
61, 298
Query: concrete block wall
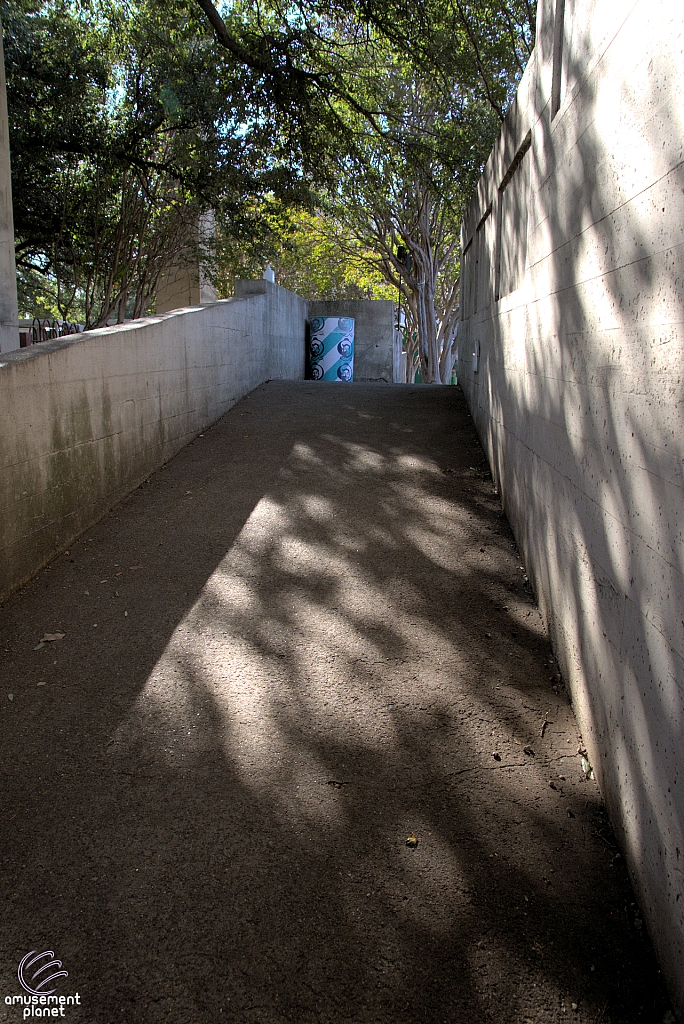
373, 334
571, 357
284, 311
85, 419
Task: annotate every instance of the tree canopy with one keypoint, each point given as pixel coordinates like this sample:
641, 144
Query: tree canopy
326, 137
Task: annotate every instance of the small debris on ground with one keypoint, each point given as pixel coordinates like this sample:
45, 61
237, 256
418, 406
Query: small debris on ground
412, 840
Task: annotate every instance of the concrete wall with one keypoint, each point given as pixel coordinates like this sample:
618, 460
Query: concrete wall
84, 419
373, 334
572, 360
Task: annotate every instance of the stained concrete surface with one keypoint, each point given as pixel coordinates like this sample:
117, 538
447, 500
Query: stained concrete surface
305, 639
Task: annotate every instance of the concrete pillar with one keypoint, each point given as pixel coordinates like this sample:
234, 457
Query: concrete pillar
9, 327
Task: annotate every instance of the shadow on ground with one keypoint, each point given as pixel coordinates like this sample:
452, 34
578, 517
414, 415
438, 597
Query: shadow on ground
304, 640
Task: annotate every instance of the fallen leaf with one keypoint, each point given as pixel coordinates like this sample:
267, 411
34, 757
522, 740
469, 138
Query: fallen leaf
10, 696
412, 840
43, 682
49, 637
104, 581
38, 646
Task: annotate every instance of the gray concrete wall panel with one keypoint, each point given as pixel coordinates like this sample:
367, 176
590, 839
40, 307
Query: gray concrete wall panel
578, 397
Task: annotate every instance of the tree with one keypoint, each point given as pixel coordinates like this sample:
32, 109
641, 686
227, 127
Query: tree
131, 119
311, 254
483, 45
125, 128
417, 98
401, 192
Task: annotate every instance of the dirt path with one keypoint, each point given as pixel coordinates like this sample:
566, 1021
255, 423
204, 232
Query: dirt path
303, 641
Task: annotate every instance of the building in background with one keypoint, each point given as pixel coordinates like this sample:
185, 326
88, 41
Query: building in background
188, 282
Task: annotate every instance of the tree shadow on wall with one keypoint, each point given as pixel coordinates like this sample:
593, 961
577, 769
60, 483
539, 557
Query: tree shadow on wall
603, 388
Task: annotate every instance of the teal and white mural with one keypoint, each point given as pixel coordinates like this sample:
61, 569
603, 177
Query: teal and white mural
331, 347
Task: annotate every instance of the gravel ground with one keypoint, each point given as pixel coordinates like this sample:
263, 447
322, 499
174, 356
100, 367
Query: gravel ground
304, 642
